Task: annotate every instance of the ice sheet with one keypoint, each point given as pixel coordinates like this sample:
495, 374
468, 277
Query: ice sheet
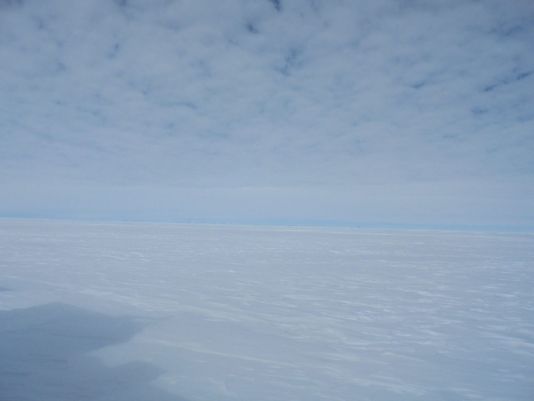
255, 314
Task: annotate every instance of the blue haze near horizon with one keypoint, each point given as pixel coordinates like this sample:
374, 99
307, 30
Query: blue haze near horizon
398, 113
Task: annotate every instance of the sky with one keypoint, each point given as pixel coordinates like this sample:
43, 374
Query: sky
351, 112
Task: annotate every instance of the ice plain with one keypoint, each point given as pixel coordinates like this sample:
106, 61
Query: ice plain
131, 311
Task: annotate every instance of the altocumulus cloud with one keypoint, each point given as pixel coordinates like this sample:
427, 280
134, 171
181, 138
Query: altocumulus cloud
269, 110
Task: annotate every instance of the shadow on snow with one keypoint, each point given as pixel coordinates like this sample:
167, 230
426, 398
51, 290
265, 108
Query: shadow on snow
44, 356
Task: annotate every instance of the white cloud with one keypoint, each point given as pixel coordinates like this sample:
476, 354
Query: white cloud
315, 95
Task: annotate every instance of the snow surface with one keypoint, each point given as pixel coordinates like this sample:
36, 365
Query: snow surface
175, 312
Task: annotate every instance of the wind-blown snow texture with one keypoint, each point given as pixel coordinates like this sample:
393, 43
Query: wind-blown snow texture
173, 312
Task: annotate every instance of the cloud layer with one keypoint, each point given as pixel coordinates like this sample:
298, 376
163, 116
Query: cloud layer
375, 104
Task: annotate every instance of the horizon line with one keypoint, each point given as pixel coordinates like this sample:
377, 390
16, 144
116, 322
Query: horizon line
287, 223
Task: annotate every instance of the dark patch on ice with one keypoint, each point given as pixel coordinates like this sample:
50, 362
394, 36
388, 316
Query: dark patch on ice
4, 289
44, 356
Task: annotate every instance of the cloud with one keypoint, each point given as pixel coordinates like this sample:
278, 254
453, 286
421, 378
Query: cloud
321, 95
